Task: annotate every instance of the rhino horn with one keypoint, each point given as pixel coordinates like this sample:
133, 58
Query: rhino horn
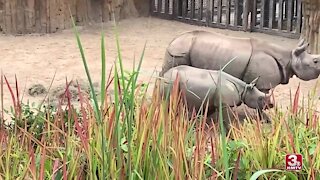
301, 49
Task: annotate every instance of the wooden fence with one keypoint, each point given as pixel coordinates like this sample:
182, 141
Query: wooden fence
276, 17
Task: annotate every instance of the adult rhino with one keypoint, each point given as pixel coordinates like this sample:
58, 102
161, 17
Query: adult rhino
255, 58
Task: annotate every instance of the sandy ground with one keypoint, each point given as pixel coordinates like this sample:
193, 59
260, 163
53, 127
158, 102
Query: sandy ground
36, 58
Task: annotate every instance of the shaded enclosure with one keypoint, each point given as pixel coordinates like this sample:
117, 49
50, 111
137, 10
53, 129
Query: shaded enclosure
48, 16
279, 17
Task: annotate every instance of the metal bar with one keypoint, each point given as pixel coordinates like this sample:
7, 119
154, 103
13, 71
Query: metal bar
208, 12
176, 8
299, 16
262, 13
184, 8
245, 15
166, 6
192, 9
253, 15
280, 18
228, 6
271, 13
200, 13
153, 6
219, 16
213, 10
289, 19
236, 12
159, 6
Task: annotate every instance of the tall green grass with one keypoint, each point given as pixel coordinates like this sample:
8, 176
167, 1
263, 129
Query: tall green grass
133, 138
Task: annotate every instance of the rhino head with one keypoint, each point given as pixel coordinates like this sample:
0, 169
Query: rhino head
254, 98
304, 65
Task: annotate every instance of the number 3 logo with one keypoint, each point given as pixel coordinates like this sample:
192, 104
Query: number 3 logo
293, 161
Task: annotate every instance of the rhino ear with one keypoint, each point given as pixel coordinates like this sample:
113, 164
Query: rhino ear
300, 49
301, 42
254, 82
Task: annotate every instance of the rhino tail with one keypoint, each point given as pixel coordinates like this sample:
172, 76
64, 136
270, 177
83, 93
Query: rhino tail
171, 61
178, 52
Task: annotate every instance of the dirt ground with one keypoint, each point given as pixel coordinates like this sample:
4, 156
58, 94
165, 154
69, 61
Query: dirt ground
36, 58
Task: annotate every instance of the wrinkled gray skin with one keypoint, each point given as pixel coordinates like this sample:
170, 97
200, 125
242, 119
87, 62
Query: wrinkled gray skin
200, 85
254, 58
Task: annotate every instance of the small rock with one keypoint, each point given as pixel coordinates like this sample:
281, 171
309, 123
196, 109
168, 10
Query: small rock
37, 89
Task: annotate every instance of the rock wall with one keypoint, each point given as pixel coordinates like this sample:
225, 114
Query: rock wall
311, 24
49, 16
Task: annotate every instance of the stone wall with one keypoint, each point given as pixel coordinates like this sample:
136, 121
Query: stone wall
49, 16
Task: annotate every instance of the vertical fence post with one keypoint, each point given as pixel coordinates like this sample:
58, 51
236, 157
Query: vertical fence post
245, 15
184, 8
219, 16
175, 8
228, 6
236, 12
208, 12
152, 8
299, 16
166, 7
289, 13
271, 13
253, 15
200, 10
262, 13
280, 17
192, 9
159, 6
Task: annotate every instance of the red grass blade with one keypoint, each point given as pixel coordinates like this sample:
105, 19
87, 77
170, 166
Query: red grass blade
55, 168
80, 130
18, 99
236, 168
314, 121
296, 101
64, 167
43, 160
32, 166
12, 94
2, 108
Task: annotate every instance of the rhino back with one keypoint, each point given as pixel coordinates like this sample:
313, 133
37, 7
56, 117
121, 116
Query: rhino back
196, 83
213, 51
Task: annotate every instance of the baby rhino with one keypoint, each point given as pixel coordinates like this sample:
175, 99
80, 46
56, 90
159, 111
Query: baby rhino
201, 85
